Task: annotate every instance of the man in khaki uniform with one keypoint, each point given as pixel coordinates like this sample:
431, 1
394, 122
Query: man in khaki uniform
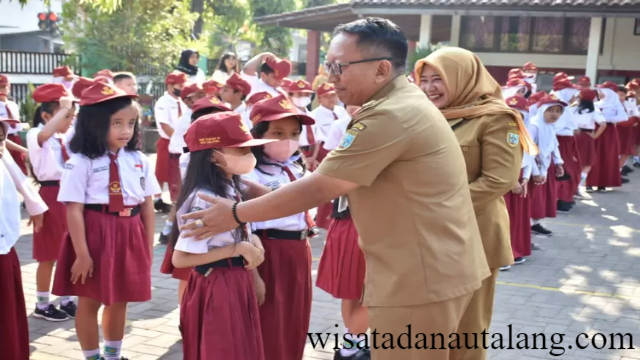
404, 174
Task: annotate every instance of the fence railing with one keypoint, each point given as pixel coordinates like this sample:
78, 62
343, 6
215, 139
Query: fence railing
35, 63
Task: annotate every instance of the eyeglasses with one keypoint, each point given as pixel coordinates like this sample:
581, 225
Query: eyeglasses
336, 68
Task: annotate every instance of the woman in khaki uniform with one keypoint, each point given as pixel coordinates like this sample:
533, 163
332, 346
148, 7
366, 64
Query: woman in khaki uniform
492, 137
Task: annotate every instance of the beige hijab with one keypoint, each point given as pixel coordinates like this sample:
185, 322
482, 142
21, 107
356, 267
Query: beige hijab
474, 92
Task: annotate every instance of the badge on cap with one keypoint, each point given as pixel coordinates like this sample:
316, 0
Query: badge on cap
285, 104
513, 138
513, 101
244, 127
107, 91
348, 139
301, 84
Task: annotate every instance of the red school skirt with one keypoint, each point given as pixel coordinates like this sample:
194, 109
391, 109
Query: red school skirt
569, 152
627, 138
519, 209
286, 312
162, 160
168, 268
121, 258
14, 328
19, 157
606, 168
175, 180
219, 317
544, 199
586, 147
46, 242
342, 265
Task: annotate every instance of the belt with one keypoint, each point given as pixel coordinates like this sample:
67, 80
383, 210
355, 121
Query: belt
586, 130
227, 263
283, 235
127, 212
50, 183
174, 156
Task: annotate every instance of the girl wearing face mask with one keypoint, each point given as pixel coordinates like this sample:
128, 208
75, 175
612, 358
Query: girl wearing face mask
300, 93
219, 313
285, 300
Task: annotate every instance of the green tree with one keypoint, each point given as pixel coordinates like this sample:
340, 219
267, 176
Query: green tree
272, 38
141, 33
226, 22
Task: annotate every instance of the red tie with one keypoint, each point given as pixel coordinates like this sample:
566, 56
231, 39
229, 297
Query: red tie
116, 201
65, 154
310, 138
308, 219
335, 117
179, 110
9, 115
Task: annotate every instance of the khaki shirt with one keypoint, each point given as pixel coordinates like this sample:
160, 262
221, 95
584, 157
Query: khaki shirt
493, 155
412, 210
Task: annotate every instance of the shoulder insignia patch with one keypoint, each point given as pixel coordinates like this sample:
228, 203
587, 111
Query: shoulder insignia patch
348, 139
512, 123
359, 127
513, 138
68, 166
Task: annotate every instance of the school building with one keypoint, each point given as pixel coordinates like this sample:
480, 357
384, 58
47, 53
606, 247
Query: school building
599, 38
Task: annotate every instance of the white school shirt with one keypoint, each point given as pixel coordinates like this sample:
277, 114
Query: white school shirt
246, 120
177, 143
166, 112
588, 120
303, 141
544, 160
336, 133
324, 117
47, 161
190, 244
12, 182
631, 106
566, 125
86, 181
611, 107
183, 164
257, 85
15, 114
241, 109
220, 76
275, 179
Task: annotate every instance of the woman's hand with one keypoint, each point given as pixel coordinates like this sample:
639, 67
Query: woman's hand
525, 186
82, 269
251, 254
36, 221
517, 189
259, 287
539, 179
559, 171
216, 219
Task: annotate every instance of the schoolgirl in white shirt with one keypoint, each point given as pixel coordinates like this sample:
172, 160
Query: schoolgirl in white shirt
587, 116
14, 328
219, 313
107, 186
47, 154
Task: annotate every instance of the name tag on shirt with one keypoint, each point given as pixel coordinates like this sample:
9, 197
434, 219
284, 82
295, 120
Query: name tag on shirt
274, 185
100, 169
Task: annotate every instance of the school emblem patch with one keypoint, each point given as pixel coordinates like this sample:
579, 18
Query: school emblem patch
143, 183
512, 123
285, 105
359, 127
243, 127
513, 138
114, 187
301, 84
107, 91
347, 139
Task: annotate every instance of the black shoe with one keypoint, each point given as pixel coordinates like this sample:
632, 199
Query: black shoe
163, 239
602, 189
636, 164
625, 180
162, 206
70, 309
540, 230
362, 354
626, 170
563, 206
518, 261
50, 314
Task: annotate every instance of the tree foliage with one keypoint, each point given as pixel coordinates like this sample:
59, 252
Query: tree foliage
226, 23
272, 38
148, 33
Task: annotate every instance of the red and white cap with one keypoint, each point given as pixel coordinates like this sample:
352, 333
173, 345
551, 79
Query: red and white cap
281, 68
277, 108
236, 82
62, 71
518, 103
190, 89
101, 92
220, 130
209, 102
551, 99
324, 89
50, 93
609, 85
300, 86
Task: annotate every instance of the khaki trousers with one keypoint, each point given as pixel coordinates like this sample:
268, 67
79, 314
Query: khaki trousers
477, 318
435, 318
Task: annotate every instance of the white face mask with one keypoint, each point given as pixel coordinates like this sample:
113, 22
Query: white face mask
302, 102
239, 164
281, 150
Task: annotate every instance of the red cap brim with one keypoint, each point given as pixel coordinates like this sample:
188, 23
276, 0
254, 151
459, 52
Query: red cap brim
253, 142
115, 96
304, 119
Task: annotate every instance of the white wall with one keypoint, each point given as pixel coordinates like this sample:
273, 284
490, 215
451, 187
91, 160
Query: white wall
16, 19
621, 51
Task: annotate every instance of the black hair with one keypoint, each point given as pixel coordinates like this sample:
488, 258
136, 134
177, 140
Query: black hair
92, 127
244, 96
379, 36
585, 105
266, 69
622, 89
528, 93
202, 174
47, 107
258, 132
223, 67
122, 76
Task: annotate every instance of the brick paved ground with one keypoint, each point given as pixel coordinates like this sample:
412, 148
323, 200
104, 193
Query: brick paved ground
585, 280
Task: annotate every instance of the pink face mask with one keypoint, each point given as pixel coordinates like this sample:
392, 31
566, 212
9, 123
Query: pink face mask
239, 164
281, 150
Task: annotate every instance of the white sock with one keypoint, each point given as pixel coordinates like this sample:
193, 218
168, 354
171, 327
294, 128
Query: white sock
349, 349
91, 354
43, 300
535, 222
583, 178
64, 300
167, 228
112, 349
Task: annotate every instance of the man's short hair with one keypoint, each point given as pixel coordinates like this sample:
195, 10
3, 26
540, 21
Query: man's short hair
381, 35
123, 76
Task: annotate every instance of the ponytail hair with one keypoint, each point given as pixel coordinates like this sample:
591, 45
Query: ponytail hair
586, 105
